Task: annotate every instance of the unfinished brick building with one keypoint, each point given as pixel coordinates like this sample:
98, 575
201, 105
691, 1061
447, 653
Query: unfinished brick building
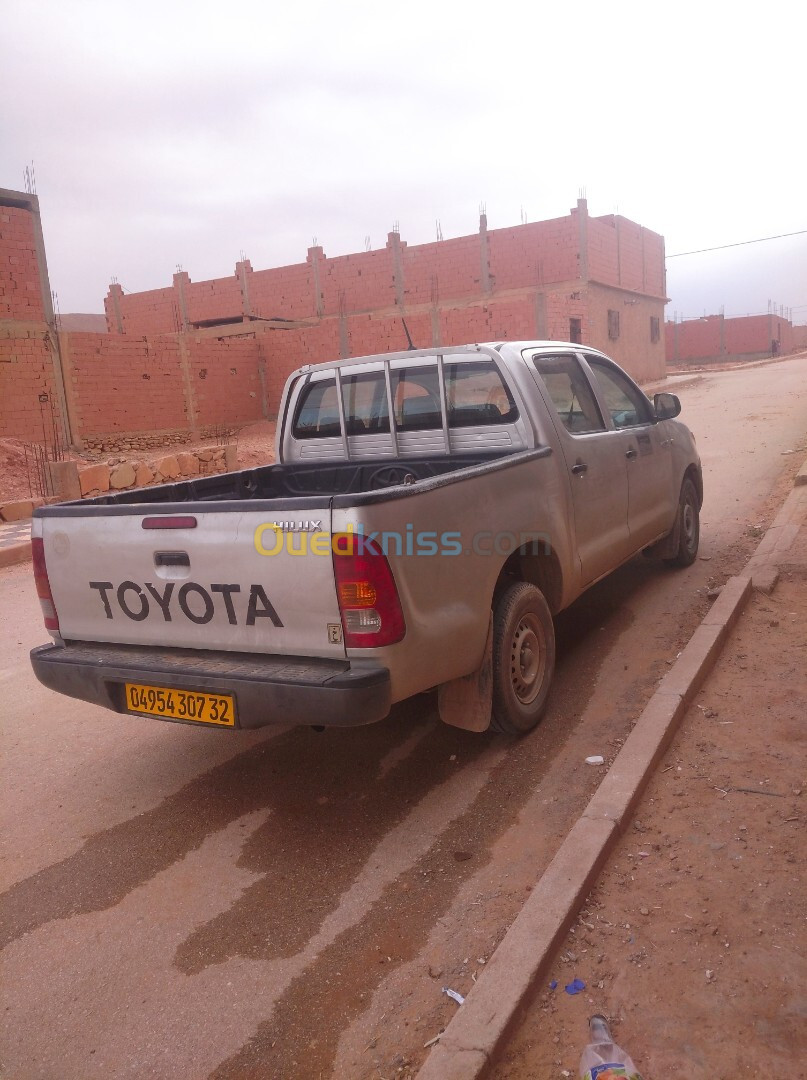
597, 280
195, 355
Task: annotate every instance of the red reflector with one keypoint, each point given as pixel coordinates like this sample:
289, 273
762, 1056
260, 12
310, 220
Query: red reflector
49, 612
364, 578
175, 521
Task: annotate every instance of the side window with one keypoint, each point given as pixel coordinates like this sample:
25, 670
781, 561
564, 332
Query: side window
571, 393
476, 396
416, 393
318, 412
365, 401
625, 402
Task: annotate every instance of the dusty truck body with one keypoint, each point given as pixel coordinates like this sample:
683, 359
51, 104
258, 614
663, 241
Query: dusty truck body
428, 513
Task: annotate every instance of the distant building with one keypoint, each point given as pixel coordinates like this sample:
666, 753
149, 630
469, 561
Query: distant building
715, 339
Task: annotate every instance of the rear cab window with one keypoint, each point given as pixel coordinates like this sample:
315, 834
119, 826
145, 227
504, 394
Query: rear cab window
476, 396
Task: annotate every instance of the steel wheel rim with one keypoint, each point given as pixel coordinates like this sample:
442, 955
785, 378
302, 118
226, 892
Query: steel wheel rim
528, 659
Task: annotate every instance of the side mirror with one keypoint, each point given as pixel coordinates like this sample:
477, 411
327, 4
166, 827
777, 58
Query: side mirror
666, 406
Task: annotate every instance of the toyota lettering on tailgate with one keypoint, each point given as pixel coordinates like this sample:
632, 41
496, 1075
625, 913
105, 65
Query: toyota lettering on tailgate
192, 601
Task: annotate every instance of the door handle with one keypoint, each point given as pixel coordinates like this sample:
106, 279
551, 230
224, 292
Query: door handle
631, 453
171, 558
579, 468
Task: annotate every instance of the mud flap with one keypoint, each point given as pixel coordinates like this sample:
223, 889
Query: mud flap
468, 702
667, 546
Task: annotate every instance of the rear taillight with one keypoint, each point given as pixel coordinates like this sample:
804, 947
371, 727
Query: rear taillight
43, 585
368, 598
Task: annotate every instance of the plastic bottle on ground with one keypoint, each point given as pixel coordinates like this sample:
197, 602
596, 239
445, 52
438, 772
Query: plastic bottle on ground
602, 1059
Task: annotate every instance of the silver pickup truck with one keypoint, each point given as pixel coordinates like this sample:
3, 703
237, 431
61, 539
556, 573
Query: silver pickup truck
428, 514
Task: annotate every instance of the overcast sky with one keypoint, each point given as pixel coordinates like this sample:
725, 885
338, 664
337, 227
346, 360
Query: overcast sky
183, 133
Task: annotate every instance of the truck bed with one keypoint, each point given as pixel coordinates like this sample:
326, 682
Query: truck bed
268, 482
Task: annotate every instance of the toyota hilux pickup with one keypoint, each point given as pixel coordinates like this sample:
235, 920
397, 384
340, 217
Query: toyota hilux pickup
429, 512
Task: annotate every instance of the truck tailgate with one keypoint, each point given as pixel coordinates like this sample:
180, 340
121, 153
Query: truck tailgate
130, 575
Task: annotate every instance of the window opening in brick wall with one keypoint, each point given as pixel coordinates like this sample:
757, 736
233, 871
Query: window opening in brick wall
655, 329
576, 331
613, 325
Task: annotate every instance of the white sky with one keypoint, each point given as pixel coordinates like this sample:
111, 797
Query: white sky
181, 133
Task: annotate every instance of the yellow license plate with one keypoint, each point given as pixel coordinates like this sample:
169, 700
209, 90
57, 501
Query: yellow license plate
216, 709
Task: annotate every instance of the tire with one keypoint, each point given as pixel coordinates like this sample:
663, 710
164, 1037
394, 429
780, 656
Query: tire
687, 527
523, 658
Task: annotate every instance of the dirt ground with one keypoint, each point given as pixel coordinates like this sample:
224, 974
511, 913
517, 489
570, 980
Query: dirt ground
693, 941
256, 446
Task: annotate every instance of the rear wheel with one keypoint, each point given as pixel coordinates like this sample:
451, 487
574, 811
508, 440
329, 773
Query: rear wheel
523, 658
687, 526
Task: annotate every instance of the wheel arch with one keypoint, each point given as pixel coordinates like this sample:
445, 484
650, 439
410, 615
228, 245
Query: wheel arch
537, 563
693, 473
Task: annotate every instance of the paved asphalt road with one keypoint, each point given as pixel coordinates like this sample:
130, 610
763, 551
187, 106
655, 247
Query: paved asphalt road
183, 903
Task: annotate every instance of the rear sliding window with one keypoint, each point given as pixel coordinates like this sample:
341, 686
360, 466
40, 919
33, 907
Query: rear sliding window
475, 397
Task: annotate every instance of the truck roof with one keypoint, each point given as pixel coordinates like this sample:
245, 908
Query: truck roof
442, 350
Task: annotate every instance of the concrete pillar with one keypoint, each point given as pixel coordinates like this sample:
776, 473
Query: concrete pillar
71, 404
187, 384
344, 342
541, 321
435, 318
262, 380
181, 279
242, 269
582, 237
394, 245
230, 457
115, 294
64, 483
663, 268
484, 253
644, 265
618, 253
315, 254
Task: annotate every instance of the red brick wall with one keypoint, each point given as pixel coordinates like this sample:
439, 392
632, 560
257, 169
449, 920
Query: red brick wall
121, 384
26, 370
283, 292
216, 299
155, 312
745, 336
750, 334
229, 391
799, 334
20, 288
625, 254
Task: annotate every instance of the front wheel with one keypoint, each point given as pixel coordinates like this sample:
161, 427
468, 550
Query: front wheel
687, 525
523, 658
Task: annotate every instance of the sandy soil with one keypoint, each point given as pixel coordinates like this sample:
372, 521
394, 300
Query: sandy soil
256, 446
693, 941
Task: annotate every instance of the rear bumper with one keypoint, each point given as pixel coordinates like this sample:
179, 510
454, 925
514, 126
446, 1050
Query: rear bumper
267, 689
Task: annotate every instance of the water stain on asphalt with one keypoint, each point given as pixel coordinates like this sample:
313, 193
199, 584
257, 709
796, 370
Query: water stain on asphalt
288, 775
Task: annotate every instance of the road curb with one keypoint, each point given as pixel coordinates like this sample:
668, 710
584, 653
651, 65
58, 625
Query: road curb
15, 553
496, 1004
